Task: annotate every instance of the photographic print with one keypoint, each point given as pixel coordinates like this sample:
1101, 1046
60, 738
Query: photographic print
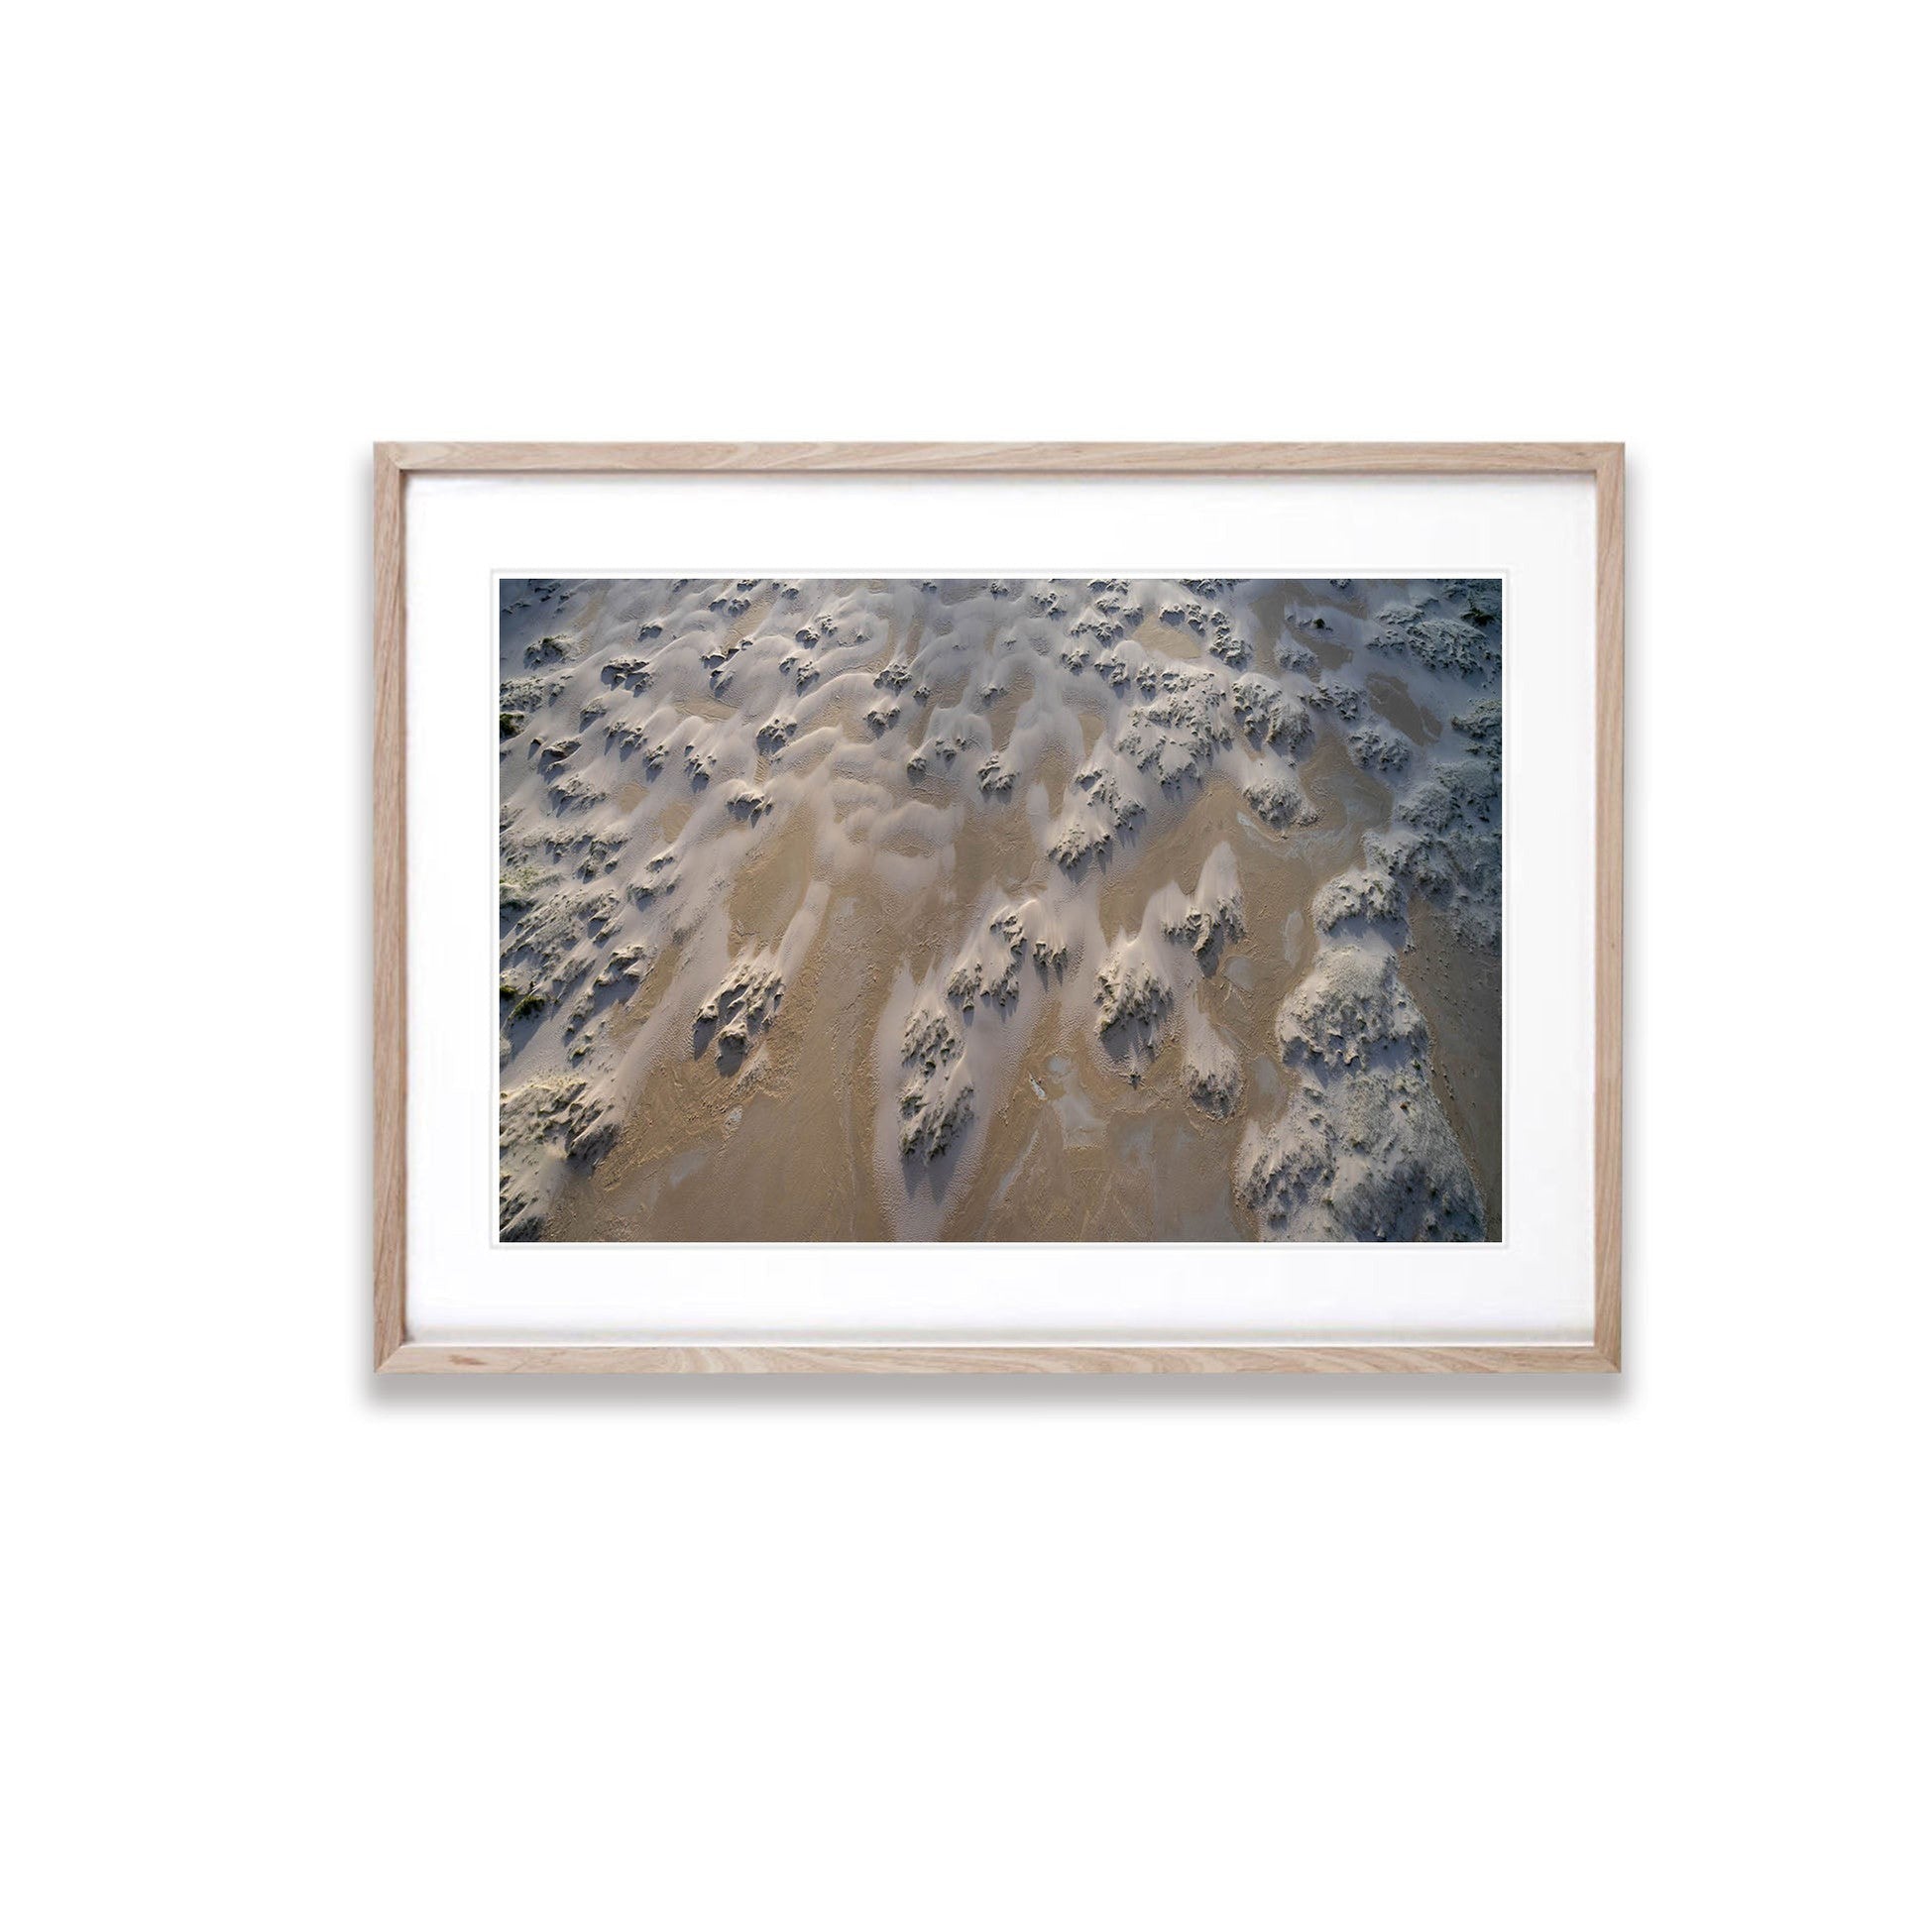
1074, 909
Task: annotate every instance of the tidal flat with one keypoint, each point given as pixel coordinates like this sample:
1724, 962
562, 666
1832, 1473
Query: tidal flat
1079, 909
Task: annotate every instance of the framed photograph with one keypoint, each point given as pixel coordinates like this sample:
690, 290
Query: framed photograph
998, 907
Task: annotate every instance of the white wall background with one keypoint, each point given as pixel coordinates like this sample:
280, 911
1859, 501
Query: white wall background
290, 1649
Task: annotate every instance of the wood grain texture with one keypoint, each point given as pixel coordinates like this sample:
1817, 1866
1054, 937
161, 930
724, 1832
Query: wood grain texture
430, 1358
396, 461
391, 917
1006, 459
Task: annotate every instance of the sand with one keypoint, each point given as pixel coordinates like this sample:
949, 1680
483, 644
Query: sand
1060, 910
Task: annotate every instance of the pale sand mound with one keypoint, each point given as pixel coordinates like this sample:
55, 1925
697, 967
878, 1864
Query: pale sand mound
1363, 1151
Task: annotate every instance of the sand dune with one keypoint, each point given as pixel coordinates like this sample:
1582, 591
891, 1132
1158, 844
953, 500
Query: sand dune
1074, 909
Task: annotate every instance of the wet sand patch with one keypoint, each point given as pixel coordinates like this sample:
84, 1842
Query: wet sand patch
1015, 687
770, 884
1393, 701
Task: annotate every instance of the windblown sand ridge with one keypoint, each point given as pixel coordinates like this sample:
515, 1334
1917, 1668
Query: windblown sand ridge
1051, 910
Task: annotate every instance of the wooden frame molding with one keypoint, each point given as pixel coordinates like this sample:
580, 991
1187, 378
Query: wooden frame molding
396, 1353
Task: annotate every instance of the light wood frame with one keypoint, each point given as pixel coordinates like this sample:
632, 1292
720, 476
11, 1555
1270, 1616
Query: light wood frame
397, 462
